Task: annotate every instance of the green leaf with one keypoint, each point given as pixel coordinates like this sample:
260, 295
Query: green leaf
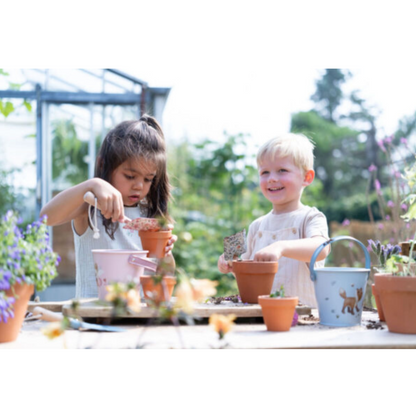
27, 105
7, 108
2, 72
14, 86
410, 214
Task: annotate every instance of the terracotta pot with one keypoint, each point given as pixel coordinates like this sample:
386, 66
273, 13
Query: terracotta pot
254, 278
405, 246
155, 242
378, 302
149, 286
398, 297
278, 312
9, 330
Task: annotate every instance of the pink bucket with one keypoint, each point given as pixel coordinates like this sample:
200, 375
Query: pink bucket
119, 266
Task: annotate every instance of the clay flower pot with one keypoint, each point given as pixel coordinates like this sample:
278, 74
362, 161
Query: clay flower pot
9, 330
149, 286
254, 278
278, 313
155, 242
378, 302
398, 297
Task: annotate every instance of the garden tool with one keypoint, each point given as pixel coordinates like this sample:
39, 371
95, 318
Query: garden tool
46, 315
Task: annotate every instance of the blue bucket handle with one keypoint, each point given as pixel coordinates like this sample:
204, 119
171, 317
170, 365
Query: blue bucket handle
332, 240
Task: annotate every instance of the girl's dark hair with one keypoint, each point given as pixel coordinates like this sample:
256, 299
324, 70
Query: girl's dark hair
137, 139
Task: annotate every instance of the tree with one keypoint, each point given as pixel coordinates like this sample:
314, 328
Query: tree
69, 153
328, 94
216, 194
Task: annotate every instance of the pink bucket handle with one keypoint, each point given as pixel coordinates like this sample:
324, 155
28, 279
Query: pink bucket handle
143, 262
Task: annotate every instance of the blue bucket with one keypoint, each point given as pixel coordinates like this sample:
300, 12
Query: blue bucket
340, 291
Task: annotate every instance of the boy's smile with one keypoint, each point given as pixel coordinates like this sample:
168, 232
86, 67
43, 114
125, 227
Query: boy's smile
282, 182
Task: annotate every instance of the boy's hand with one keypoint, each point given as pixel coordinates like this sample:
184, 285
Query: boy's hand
269, 253
223, 265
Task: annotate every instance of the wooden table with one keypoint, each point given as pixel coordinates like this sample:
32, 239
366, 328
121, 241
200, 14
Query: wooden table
253, 335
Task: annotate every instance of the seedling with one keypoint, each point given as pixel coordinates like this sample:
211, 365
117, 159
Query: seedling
278, 293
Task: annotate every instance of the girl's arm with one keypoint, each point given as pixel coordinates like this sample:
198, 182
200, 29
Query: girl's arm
69, 204
301, 250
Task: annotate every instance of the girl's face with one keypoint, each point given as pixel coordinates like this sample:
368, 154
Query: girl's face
133, 180
282, 182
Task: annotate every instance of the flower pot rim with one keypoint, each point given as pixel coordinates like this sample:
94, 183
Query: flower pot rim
118, 251
278, 298
254, 261
150, 232
146, 277
393, 276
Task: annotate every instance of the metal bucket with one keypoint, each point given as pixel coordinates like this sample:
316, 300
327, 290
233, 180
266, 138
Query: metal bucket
340, 291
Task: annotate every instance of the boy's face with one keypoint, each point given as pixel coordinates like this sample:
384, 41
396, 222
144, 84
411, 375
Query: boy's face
133, 180
282, 182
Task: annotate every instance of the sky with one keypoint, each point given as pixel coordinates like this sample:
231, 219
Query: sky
206, 103
234, 65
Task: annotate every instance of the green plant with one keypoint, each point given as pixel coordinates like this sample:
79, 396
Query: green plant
25, 257
278, 293
391, 260
384, 253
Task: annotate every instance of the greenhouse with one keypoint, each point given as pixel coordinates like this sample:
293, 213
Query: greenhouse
54, 122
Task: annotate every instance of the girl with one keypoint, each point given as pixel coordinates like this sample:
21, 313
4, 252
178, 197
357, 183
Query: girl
130, 180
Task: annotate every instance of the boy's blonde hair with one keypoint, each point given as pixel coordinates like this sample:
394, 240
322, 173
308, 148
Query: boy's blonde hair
296, 145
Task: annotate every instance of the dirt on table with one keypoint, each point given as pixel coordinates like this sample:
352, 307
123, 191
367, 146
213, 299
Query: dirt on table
308, 320
374, 325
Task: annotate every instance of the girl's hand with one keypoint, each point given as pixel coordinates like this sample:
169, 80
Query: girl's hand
223, 265
169, 246
109, 199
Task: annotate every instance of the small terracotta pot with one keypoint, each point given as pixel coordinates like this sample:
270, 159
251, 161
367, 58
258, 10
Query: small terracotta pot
405, 246
9, 330
278, 312
155, 242
398, 297
378, 302
254, 278
149, 286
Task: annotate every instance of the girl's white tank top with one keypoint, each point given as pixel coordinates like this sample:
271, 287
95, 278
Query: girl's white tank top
85, 282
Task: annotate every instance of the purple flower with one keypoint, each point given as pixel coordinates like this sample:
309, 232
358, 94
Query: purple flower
404, 207
380, 226
346, 222
390, 204
403, 141
295, 319
381, 146
4, 285
377, 186
372, 168
388, 140
387, 217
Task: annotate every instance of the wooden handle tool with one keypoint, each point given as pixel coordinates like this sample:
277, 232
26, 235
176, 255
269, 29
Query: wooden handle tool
89, 197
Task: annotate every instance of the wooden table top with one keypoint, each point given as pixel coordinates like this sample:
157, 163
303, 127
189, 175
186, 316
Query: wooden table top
309, 333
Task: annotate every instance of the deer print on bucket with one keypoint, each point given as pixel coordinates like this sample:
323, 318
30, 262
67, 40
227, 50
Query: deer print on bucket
351, 302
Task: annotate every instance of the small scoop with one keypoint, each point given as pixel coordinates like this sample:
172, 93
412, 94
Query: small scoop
89, 197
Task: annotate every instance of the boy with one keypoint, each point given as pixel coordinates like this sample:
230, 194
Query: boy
291, 232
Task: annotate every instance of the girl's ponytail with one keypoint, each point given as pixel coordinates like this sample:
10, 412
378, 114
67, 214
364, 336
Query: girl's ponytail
152, 122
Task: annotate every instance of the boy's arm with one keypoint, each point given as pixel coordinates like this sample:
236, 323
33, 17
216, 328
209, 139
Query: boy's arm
301, 250
69, 204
